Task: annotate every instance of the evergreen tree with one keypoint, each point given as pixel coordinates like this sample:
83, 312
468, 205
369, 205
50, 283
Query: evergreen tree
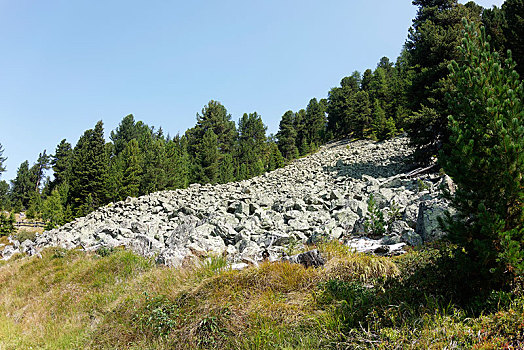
287, 135
302, 141
315, 122
126, 131
7, 224
2, 160
132, 169
432, 43
276, 160
362, 114
61, 163
53, 210
341, 103
514, 31
252, 143
208, 158
5, 201
215, 117
38, 169
178, 163
22, 185
226, 171
485, 151
89, 171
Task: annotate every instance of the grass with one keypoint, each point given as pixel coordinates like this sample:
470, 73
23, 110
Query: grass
117, 300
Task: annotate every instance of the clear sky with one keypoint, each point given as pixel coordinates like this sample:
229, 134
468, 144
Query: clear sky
66, 64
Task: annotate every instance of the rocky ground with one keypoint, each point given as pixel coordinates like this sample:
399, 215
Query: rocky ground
322, 196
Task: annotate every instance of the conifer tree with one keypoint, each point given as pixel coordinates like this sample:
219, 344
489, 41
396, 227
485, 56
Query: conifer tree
89, 171
315, 122
38, 169
53, 210
252, 143
178, 163
2, 160
484, 155
7, 224
226, 171
61, 163
132, 169
276, 160
432, 43
287, 135
22, 185
208, 158
125, 132
302, 141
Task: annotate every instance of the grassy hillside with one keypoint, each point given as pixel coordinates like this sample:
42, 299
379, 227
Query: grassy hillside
117, 300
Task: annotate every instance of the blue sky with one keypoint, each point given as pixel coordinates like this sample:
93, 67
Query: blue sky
67, 64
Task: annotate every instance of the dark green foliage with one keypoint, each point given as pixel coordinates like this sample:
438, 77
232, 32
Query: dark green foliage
177, 163
89, 171
514, 31
22, 185
287, 136
208, 158
251, 145
7, 223
432, 43
2, 160
53, 210
276, 160
5, 200
315, 122
38, 169
226, 171
484, 155
132, 169
505, 26
301, 141
61, 163
375, 225
126, 131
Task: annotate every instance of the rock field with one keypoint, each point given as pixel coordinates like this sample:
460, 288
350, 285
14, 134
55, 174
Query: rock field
319, 197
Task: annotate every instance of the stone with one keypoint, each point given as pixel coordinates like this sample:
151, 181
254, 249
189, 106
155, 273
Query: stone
428, 226
312, 258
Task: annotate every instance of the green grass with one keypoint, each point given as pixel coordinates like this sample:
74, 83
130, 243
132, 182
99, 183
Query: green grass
117, 300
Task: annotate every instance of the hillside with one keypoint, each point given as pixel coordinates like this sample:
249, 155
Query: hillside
97, 295
320, 197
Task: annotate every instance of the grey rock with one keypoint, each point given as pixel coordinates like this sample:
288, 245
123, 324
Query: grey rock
428, 226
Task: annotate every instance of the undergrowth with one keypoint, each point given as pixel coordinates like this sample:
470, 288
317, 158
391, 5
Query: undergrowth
69, 299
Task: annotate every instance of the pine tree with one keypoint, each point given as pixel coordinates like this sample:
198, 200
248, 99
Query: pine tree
226, 171
315, 122
252, 143
89, 171
287, 135
125, 132
38, 169
22, 185
208, 158
276, 160
178, 163
7, 224
132, 169
484, 156
53, 210
432, 43
2, 160
61, 163
302, 141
